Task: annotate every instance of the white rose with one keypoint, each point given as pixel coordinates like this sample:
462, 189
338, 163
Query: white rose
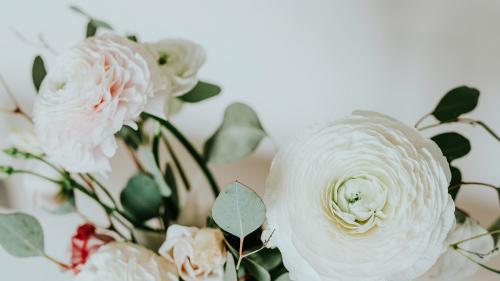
94, 89
452, 266
361, 198
179, 61
125, 261
198, 254
25, 140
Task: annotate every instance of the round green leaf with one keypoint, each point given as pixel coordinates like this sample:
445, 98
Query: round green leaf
141, 198
455, 103
238, 210
21, 235
239, 135
453, 145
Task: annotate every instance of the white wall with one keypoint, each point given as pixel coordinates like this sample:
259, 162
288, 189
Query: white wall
296, 62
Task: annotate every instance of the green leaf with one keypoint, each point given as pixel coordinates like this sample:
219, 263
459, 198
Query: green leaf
141, 198
91, 29
230, 272
453, 145
133, 38
284, 277
460, 215
267, 258
455, 103
171, 203
456, 179
149, 239
148, 160
238, 210
200, 92
38, 72
133, 138
21, 235
237, 137
495, 226
258, 272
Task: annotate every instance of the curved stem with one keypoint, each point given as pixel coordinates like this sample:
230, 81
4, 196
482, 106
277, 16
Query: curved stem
455, 186
478, 263
104, 189
36, 175
454, 245
480, 123
421, 120
61, 264
190, 148
177, 163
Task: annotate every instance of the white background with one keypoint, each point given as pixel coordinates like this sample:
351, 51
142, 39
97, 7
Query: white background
295, 62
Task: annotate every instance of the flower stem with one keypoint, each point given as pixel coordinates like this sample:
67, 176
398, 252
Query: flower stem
455, 245
421, 120
190, 148
61, 264
176, 162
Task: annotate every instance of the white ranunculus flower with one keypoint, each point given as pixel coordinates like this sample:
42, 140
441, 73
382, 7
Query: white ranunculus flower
179, 62
25, 140
361, 198
198, 254
94, 89
124, 261
452, 266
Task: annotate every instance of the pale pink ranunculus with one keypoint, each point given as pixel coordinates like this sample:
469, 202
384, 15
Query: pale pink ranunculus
91, 91
198, 254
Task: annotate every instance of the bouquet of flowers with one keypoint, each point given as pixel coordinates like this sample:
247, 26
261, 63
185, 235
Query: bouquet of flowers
365, 197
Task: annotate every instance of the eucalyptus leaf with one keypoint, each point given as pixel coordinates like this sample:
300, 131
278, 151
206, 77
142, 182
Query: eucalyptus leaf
141, 198
453, 145
239, 135
200, 92
284, 277
38, 72
495, 226
258, 272
230, 271
238, 210
21, 235
456, 179
455, 103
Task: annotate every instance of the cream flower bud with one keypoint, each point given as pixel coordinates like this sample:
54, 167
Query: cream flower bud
198, 254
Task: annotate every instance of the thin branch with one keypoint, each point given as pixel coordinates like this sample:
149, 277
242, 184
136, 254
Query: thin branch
42, 45
61, 264
177, 163
421, 120
454, 245
455, 186
478, 263
480, 123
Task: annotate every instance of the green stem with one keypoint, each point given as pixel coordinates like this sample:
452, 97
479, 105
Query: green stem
190, 148
36, 175
454, 245
177, 163
103, 189
478, 263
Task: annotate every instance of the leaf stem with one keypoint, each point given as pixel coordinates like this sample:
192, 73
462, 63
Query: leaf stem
457, 185
478, 263
455, 245
240, 253
16, 171
190, 148
422, 120
61, 264
468, 121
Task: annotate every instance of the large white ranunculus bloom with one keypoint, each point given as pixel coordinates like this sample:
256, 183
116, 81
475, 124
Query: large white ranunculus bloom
124, 261
198, 254
361, 198
454, 266
90, 92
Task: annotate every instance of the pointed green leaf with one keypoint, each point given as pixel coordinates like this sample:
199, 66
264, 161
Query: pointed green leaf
239, 135
38, 72
200, 92
230, 271
267, 258
94, 24
456, 179
455, 103
256, 271
238, 210
495, 226
21, 235
453, 145
141, 198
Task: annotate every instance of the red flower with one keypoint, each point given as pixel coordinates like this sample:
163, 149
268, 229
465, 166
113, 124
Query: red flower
84, 243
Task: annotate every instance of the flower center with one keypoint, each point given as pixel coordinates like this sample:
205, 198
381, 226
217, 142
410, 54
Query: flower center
356, 204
